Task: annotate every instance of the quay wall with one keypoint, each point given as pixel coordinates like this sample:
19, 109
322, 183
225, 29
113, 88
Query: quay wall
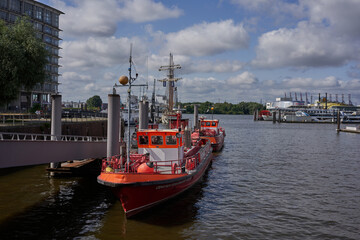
88, 128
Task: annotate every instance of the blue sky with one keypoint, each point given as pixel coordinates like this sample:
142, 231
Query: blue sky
229, 50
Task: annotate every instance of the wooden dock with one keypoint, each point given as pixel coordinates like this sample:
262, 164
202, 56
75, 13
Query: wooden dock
91, 166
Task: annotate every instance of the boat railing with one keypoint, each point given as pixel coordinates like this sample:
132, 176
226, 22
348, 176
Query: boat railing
117, 164
48, 137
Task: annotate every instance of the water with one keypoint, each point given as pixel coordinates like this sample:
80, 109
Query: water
271, 181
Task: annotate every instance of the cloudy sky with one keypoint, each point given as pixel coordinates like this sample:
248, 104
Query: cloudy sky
229, 50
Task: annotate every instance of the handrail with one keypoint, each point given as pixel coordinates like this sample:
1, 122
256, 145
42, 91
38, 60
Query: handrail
117, 163
48, 137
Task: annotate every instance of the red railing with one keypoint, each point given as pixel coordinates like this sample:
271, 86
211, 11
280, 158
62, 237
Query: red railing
117, 164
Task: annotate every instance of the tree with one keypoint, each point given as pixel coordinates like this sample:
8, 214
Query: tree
23, 58
94, 102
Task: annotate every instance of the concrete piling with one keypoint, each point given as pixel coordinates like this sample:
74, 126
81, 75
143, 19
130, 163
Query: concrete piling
55, 122
113, 147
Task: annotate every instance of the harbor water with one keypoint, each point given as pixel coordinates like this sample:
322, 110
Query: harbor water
271, 181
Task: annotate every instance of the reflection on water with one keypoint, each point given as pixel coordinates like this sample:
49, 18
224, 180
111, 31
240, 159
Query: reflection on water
271, 181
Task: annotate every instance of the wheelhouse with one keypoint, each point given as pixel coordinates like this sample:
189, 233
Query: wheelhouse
160, 144
209, 124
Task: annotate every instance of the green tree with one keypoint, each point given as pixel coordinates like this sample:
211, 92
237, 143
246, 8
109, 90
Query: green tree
22, 59
94, 102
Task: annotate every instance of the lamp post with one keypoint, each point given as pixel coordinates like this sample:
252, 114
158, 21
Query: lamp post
127, 82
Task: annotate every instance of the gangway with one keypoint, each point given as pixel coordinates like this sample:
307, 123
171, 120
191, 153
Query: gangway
23, 149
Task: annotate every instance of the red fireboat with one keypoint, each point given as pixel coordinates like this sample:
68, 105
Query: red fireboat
210, 130
163, 167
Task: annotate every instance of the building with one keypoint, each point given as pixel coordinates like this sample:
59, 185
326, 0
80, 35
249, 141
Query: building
46, 21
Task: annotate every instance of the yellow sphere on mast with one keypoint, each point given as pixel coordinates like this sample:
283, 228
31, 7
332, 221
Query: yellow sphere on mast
123, 80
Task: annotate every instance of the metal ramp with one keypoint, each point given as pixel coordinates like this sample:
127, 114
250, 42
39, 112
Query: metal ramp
23, 149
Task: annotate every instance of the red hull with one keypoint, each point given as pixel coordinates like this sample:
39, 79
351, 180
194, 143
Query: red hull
136, 196
135, 199
217, 141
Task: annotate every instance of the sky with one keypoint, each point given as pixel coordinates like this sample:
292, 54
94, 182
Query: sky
229, 50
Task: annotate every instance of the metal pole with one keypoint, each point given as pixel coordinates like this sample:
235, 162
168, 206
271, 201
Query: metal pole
129, 110
142, 118
112, 145
146, 105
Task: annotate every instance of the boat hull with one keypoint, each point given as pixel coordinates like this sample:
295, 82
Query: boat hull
217, 141
138, 196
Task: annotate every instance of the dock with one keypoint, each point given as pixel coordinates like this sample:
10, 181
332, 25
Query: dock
91, 166
350, 129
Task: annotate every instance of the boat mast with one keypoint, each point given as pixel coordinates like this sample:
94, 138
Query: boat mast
171, 80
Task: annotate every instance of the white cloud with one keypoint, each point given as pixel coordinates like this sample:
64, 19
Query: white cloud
245, 78
99, 52
327, 38
147, 10
305, 46
100, 18
207, 39
353, 84
343, 16
310, 83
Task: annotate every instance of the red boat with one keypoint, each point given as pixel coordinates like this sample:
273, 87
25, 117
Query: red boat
210, 130
163, 167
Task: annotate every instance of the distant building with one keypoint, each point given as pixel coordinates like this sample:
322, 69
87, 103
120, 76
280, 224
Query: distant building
46, 21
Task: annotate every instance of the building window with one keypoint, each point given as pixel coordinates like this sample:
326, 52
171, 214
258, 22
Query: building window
12, 17
55, 42
3, 15
3, 4
38, 26
55, 20
47, 30
28, 9
38, 13
47, 16
15, 5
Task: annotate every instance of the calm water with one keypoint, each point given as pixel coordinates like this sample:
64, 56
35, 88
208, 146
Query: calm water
271, 181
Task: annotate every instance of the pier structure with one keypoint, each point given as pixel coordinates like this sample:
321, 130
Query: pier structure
24, 149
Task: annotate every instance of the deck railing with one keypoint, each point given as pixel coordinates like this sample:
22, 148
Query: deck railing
48, 137
7, 119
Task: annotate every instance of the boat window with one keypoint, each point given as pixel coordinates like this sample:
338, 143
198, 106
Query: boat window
171, 140
156, 140
207, 123
214, 124
143, 140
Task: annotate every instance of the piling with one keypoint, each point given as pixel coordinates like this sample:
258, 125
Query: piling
279, 119
196, 117
113, 147
255, 115
55, 121
142, 117
274, 117
338, 121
